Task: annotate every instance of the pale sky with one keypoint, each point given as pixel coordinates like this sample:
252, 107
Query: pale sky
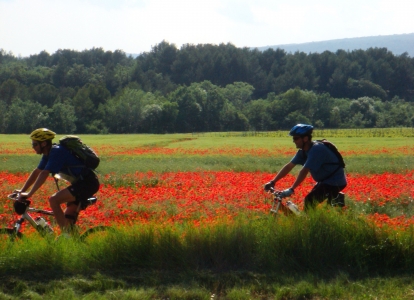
134, 26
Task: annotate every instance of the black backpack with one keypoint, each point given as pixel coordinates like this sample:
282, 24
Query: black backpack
335, 150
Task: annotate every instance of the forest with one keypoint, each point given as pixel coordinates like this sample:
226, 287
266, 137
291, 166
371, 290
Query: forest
204, 88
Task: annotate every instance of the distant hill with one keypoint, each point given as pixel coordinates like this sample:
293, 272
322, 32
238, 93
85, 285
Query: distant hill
397, 44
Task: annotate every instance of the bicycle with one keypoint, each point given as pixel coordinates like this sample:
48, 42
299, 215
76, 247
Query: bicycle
291, 208
288, 208
22, 208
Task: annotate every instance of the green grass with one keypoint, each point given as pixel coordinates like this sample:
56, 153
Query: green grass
127, 164
325, 255
120, 165
344, 138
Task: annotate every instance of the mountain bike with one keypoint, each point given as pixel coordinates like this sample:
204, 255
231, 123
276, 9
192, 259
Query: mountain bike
287, 208
22, 208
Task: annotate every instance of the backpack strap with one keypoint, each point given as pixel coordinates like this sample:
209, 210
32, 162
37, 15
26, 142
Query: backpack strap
338, 163
305, 156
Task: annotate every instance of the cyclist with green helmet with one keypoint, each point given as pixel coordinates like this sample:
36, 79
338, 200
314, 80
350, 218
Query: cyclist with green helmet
320, 162
59, 160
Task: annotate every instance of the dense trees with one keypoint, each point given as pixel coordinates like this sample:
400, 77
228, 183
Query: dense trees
204, 88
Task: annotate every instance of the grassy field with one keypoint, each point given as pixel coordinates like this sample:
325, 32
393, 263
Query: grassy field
193, 152
214, 245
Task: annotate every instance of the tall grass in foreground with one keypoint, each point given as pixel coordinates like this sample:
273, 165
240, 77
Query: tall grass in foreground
325, 242
326, 254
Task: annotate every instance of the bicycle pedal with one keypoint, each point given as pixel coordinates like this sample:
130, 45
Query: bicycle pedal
339, 200
92, 200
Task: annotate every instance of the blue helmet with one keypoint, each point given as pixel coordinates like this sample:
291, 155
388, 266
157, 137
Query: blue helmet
301, 129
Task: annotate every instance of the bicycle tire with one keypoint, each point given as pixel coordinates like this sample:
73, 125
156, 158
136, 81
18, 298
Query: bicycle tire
93, 230
11, 233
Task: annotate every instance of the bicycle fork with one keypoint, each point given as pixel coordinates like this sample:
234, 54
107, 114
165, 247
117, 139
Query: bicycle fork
42, 229
18, 225
276, 205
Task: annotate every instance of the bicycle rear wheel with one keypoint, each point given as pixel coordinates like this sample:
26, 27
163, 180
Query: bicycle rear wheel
96, 232
9, 234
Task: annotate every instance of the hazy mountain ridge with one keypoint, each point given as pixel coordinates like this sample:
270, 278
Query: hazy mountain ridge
396, 43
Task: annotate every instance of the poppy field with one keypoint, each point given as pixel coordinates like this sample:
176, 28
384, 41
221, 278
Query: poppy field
200, 195
193, 222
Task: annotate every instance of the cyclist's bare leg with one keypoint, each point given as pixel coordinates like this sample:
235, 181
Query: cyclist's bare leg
56, 200
71, 213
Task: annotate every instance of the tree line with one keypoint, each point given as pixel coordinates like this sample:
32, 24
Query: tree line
204, 88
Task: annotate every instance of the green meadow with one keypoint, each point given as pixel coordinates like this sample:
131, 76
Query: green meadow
366, 143
327, 254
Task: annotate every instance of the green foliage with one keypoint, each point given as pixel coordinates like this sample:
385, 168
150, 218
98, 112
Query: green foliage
23, 116
211, 88
129, 106
62, 117
260, 117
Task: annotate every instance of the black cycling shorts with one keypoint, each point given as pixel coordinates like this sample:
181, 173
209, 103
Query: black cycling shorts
84, 188
320, 192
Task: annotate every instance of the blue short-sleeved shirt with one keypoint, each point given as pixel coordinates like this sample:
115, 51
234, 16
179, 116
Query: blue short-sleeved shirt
318, 160
60, 160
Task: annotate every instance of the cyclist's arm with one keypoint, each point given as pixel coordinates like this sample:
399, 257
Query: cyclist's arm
284, 171
39, 182
301, 177
32, 178
36, 178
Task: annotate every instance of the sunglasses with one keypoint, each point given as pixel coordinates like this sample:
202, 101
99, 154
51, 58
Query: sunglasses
35, 144
295, 138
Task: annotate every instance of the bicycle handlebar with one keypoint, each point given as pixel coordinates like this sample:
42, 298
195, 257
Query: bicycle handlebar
14, 196
275, 193
286, 208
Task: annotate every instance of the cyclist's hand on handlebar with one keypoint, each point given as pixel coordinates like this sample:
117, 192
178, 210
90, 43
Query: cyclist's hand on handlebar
287, 193
16, 192
268, 186
22, 196
12, 195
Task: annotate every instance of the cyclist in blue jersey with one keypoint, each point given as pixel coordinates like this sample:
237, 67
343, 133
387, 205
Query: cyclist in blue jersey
57, 160
320, 162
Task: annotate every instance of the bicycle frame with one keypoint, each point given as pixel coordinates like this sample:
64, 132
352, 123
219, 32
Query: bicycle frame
288, 209
43, 230
26, 216
277, 201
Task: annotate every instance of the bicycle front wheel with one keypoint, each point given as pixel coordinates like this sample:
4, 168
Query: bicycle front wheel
9, 234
